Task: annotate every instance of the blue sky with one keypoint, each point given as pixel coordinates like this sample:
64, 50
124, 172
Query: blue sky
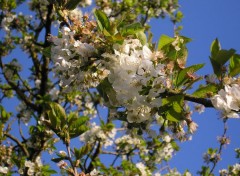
204, 21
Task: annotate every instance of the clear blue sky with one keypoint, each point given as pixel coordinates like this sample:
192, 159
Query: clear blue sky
203, 21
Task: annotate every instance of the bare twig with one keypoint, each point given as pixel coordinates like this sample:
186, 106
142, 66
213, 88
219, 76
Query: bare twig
220, 146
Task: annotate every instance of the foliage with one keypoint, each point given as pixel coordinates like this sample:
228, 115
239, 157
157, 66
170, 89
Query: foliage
105, 62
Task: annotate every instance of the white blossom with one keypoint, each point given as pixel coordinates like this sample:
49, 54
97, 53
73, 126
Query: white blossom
227, 100
131, 68
96, 133
143, 169
3, 170
167, 138
6, 21
236, 168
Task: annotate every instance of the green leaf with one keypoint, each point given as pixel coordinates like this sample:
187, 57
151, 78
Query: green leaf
142, 37
220, 59
72, 4
79, 153
129, 3
178, 16
72, 116
57, 115
205, 171
172, 108
234, 66
78, 126
175, 145
107, 92
131, 29
56, 160
47, 171
215, 47
102, 20
4, 115
223, 56
164, 40
182, 75
203, 91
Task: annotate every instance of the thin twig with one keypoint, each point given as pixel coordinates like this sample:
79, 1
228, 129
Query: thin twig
70, 159
220, 146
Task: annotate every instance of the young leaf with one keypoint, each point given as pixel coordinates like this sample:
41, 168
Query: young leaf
131, 29
47, 171
58, 114
220, 59
234, 66
164, 40
78, 127
56, 160
215, 47
142, 37
106, 90
223, 56
172, 108
203, 91
182, 75
102, 20
79, 153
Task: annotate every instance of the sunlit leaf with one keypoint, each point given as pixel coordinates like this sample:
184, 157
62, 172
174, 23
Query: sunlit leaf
47, 171
142, 37
102, 20
106, 90
79, 153
182, 75
78, 126
131, 29
215, 47
234, 66
219, 59
172, 108
164, 40
203, 91
57, 115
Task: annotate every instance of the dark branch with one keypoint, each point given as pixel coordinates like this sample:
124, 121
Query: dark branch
18, 143
203, 101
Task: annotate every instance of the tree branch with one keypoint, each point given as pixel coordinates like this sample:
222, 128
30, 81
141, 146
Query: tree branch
18, 143
18, 90
95, 155
203, 101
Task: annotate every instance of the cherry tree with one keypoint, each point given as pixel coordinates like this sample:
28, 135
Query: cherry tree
96, 96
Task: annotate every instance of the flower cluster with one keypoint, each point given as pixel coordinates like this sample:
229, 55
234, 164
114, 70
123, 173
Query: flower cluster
34, 168
41, 7
164, 153
126, 143
136, 77
232, 170
71, 58
3, 170
97, 134
5, 158
228, 100
143, 169
7, 20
